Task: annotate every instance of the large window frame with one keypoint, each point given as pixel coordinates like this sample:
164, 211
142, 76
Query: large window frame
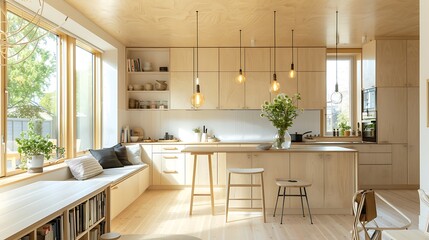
354, 55
66, 94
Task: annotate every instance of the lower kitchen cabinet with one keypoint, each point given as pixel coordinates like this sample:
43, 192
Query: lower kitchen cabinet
168, 165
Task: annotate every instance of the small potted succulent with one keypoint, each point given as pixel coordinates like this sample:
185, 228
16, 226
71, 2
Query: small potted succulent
344, 128
34, 149
197, 134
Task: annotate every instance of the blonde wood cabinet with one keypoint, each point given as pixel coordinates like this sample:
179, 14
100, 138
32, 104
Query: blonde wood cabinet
168, 165
312, 87
229, 59
399, 164
391, 60
257, 60
275, 166
257, 89
209, 83
309, 167
181, 59
123, 194
284, 59
239, 160
392, 115
181, 89
208, 59
288, 86
413, 66
202, 174
413, 136
231, 94
311, 60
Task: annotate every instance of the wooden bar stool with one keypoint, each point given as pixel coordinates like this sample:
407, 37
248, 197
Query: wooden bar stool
110, 236
251, 171
290, 183
211, 194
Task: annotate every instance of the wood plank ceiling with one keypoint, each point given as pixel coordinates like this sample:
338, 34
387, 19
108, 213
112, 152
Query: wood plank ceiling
172, 23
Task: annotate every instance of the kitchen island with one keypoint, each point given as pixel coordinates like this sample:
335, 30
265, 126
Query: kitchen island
331, 170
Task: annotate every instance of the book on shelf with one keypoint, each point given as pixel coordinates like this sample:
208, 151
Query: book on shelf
45, 232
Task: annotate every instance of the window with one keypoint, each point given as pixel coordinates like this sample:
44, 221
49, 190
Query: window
337, 113
32, 86
84, 99
37, 91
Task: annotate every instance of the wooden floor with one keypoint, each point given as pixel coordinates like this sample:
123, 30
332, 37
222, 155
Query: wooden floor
165, 214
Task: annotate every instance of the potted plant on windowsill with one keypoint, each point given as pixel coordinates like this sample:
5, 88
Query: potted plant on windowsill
344, 129
34, 149
197, 134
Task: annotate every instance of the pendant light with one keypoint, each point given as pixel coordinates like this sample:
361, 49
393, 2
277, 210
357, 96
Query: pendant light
275, 86
240, 77
292, 67
197, 99
336, 96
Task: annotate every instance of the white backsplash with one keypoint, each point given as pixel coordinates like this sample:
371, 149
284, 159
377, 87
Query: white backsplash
227, 125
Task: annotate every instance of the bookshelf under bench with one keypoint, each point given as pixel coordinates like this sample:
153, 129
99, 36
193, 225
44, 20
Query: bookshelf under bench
73, 209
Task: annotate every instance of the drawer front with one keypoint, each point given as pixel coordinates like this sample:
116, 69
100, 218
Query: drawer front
387, 148
375, 158
167, 148
171, 168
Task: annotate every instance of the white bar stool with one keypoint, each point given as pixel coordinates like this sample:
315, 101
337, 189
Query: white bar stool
252, 171
290, 183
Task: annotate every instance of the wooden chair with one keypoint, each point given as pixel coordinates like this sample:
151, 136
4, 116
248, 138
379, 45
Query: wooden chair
366, 221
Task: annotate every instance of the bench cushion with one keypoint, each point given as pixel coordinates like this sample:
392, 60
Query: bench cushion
84, 167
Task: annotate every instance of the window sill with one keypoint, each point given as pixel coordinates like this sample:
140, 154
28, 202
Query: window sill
4, 181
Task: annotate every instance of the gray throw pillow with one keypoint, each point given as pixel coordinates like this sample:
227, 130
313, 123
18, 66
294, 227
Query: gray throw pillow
106, 157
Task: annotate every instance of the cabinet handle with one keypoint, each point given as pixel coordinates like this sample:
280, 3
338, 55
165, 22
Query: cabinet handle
115, 187
171, 172
169, 157
170, 149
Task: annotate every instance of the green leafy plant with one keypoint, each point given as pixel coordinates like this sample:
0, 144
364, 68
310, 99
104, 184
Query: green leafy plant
281, 111
32, 143
196, 130
344, 126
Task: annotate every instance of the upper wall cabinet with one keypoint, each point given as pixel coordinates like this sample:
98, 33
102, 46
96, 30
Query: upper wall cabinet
311, 60
208, 59
181, 90
413, 69
284, 59
181, 59
391, 60
231, 94
229, 59
257, 60
312, 87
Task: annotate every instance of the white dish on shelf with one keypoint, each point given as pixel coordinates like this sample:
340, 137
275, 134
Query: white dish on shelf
138, 87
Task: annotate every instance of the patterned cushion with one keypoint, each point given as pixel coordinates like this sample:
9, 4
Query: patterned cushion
84, 167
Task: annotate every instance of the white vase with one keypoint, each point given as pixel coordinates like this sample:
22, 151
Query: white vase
197, 137
35, 164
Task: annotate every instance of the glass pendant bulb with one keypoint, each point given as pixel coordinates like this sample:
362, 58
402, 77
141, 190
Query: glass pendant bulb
240, 77
275, 86
197, 99
292, 72
336, 96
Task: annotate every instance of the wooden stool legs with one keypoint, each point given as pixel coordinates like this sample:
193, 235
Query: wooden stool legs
211, 194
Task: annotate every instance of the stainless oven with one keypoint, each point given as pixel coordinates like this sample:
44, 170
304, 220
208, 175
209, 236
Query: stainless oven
369, 130
369, 103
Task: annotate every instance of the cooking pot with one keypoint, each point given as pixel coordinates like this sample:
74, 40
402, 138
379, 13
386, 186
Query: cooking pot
296, 137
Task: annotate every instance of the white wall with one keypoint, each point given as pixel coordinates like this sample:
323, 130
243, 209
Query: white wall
227, 125
424, 130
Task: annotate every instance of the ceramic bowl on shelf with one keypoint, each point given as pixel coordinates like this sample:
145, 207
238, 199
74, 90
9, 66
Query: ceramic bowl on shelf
138, 87
134, 138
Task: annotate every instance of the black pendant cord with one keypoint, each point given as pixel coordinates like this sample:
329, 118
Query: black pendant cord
336, 52
275, 77
197, 44
292, 47
240, 52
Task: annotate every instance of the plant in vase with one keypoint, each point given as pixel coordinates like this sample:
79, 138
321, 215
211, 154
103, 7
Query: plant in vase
35, 148
197, 134
281, 111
